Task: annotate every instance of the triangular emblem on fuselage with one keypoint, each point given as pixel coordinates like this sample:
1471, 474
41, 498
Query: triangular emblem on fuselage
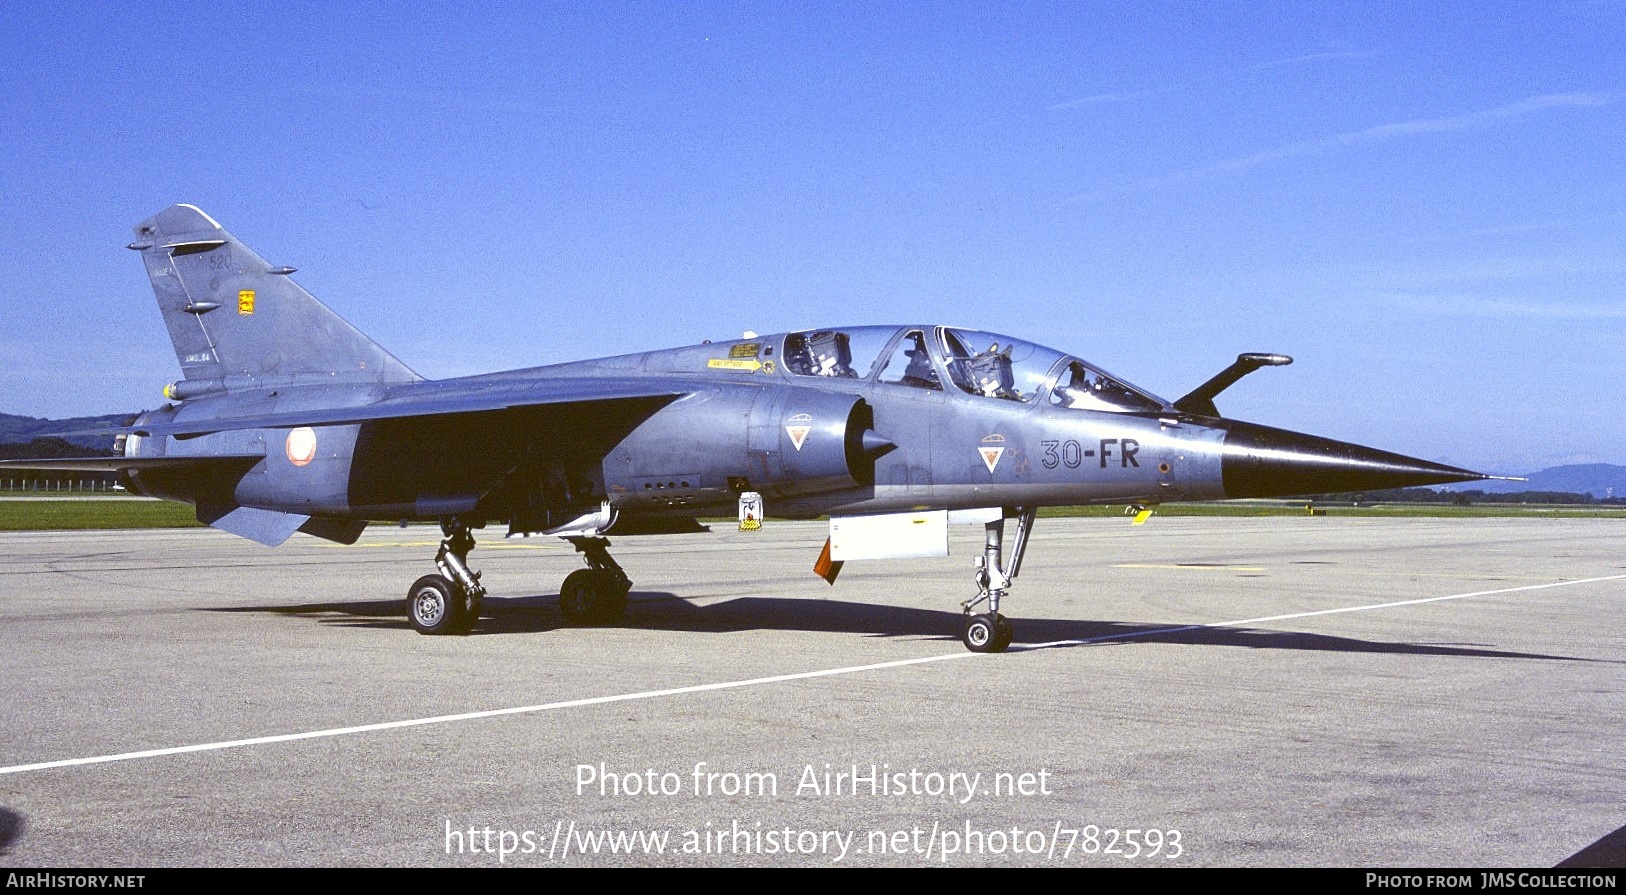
797, 428
990, 456
991, 449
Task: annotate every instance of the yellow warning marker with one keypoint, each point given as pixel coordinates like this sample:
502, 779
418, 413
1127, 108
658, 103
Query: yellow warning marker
742, 366
245, 302
1144, 514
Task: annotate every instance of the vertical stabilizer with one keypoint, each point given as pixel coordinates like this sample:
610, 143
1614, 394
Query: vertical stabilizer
234, 317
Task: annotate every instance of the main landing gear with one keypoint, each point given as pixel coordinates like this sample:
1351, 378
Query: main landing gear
596, 595
448, 603
990, 632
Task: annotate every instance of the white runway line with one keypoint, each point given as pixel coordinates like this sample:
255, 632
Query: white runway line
471, 716
752, 682
1277, 618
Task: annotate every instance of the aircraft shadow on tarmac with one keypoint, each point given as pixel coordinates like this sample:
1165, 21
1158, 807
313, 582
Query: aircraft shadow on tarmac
1610, 851
660, 611
11, 828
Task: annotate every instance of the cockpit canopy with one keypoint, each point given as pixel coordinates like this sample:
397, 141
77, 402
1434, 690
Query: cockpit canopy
978, 363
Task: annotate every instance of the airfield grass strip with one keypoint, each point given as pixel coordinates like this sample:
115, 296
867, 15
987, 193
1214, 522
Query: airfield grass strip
49, 514
45, 514
1372, 511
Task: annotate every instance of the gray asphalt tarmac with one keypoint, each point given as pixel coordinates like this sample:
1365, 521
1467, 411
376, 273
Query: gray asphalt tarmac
1192, 692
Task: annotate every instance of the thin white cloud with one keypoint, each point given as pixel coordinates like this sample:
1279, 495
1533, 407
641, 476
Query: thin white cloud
1402, 129
1318, 57
1403, 276
1495, 307
1101, 98
1377, 134
1521, 229
438, 100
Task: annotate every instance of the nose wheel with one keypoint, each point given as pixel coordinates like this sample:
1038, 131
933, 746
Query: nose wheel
987, 633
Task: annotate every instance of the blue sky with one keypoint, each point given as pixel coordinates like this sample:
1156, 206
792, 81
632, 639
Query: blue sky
1424, 204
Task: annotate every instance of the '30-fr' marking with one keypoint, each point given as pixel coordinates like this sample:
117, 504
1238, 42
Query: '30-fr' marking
1071, 453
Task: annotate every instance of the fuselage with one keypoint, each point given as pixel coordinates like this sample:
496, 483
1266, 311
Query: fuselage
842, 421
288, 419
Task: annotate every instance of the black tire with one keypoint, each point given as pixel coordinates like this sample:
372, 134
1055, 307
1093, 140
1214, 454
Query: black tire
576, 596
1003, 633
592, 597
613, 590
472, 607
986, 634
436, 606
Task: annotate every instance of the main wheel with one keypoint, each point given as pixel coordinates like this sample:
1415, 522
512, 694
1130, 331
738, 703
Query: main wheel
986, 633
612, 598
436, 606
592, 597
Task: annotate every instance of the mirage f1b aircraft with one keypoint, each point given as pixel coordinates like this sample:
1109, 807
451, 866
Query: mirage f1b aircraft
288, 419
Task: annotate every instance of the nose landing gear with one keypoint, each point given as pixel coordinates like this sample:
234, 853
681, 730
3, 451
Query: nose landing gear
990, 632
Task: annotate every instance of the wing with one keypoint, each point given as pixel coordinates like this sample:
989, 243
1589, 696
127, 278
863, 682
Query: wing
610, 397
123, 464
457, 440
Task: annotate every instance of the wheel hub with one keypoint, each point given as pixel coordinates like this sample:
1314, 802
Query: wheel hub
428, 606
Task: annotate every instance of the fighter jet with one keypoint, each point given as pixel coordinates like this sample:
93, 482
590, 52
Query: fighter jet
288, 419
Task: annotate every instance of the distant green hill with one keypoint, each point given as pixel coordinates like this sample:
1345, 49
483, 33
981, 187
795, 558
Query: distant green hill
1600, 480
24, 429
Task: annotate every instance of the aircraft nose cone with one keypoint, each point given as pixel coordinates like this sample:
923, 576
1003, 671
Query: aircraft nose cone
1258, 461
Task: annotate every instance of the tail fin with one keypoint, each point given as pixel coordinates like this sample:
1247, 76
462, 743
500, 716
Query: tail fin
232, 315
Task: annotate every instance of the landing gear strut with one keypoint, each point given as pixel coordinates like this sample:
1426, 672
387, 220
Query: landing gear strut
990, 632
596, 595
448, 603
